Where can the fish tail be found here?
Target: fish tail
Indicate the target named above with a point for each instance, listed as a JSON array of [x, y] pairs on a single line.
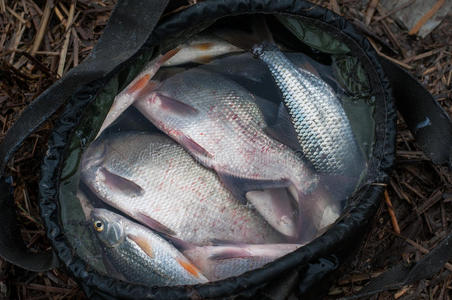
[[165, 57]]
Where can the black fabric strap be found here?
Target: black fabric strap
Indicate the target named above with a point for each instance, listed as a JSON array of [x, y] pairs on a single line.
[[402, 275], [429, 123], [130, 24], [432, 129]]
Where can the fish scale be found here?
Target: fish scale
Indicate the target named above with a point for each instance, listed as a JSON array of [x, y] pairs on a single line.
[[322, 127], [227, 122], [220, 123], [223, 261], [139, 255], [164, 183]]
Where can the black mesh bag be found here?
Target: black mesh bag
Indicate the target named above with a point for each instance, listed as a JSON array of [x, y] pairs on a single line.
[[135, 35]]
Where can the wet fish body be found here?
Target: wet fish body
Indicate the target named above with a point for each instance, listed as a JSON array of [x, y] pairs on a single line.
[[126, 97], [155, 181], [322, 127], [201, 49], [139, 255], [219, 123], [220, 262]]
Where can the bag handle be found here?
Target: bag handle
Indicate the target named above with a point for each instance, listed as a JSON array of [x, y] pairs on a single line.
[[432, 130], [130, 25], [426, 119], [402, 275]]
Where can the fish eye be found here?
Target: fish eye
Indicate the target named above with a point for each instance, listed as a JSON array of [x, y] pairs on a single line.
[[98, 226]]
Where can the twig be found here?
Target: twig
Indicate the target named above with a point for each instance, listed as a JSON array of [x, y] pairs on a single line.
[[42, 27], [402, 292], [16, 15], [426, 17], [66, 40], [401, 63], [436, 196], [60, 16], [63, 8], [370, 11], [17, 39], [36, 7], [45, 288], [2, 6], [419, 247], [25, 7], [430, 70], [394, 222], [394, 40], [423, 55], [42, 67], [358, 278], [76, 46], [393, 11], [335, 7]]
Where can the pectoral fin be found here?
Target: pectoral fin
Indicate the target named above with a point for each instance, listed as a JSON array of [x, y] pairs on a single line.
[[154, 224], [239, 186], [143, 244], [175, 106], [229, 253], [278, 208], [121, 184], [191, 268]]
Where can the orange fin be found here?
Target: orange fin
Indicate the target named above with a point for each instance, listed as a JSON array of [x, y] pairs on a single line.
[[191, 268], [143, 244], [150, 86], [204, 46], [168, 55], [139, 84]]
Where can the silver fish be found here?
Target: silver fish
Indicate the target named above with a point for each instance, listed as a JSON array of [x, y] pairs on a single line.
[[126, 97], [201, 49], [140, 255], [220, 262], [323, 129], [220, 124], [155, 181]]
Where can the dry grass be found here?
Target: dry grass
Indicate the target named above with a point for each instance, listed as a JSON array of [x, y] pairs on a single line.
[[41, 40]]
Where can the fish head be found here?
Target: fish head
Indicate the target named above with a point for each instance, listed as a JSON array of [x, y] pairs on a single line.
[[93, 158], [108, 227]]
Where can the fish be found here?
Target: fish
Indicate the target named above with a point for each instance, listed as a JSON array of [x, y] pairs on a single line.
[[127, 96], [139, 254], [323, 129], [156, 182], [200, 49], [218, 122], [253, 75], [222, 261]]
